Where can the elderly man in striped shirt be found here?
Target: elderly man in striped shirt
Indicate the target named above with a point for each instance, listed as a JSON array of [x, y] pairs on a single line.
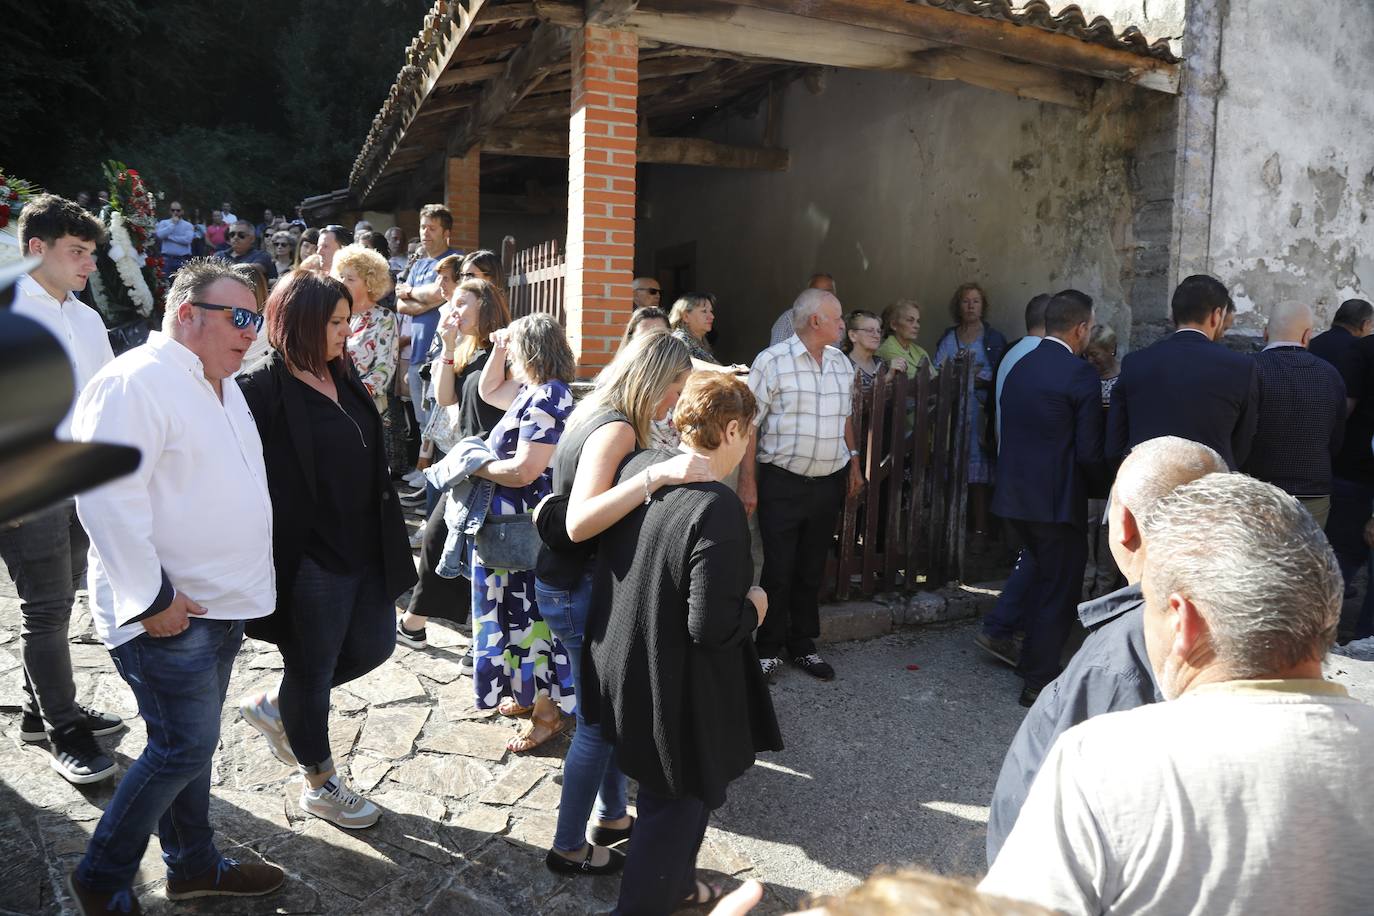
[[797, 472]]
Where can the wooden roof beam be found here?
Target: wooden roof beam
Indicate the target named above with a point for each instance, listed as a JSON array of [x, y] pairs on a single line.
[[949, 28], [550, 144], [785, 36], [525, 69]]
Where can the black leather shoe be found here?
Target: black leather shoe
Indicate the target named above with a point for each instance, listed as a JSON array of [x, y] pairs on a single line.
[[609, 836], [1028, 696], [1002, 649], [815, 666], [561, 866]]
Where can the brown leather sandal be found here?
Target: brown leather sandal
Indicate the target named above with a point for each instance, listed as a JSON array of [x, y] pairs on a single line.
[[532, 737], [514, 710]]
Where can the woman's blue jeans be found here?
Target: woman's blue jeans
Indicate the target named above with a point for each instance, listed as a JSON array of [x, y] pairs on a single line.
[[590, 773]]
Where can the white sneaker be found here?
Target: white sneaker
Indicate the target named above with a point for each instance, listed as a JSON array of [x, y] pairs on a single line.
[[254, 710], [337, 803], [415, 478], [417, 538]]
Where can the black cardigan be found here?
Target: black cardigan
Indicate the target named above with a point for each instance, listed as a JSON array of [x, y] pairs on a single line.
[[279, 410], [668, 667]]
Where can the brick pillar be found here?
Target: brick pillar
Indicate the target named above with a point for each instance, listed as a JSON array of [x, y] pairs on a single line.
[[461, 196], [601, 192]]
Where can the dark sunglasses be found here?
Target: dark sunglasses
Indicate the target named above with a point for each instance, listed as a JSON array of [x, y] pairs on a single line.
[[242, 317], [176, 209], [467, 276], [281, 244], [654, 292], [240, 235]]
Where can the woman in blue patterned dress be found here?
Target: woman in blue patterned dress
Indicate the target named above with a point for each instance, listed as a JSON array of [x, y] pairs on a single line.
[[520, 667], [972, 333]]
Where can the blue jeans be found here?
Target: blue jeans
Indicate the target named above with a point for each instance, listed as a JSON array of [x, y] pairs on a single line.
[[590, 773], [180, 683]]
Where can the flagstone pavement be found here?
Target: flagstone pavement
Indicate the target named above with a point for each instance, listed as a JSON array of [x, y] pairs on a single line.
[[893, 762]]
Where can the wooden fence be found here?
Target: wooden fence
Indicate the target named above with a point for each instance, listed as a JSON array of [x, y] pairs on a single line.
[[906, 530], [535, 278]]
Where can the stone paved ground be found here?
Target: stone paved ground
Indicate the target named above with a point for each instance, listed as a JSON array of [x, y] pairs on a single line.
[[889, 763]]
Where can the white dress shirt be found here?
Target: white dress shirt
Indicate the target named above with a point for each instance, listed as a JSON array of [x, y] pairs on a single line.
[[76, 326], [196, 516]]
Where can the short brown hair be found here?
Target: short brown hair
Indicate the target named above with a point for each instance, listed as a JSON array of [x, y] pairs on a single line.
[[710, 400], [298, 312], [439, 212], [450, 264], [49, 217]]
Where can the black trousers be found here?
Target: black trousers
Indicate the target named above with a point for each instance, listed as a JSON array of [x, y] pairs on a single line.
[[1059, 553], [433, 595], [661, 868], [797, 517]]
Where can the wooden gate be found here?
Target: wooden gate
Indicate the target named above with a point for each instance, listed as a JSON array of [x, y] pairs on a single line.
[[906, 530], [535, 278]]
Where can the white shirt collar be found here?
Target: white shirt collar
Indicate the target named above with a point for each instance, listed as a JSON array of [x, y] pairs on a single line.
[[31, 287], [1060, 342]]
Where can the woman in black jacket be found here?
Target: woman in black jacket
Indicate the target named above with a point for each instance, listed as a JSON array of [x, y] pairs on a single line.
[[338, 540], [669, 671]]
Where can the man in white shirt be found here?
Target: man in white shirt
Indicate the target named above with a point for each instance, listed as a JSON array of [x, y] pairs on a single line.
[[46, 551], [181, 556], [1246, 792]]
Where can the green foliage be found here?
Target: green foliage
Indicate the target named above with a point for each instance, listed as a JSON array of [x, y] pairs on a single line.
[[259, 103]]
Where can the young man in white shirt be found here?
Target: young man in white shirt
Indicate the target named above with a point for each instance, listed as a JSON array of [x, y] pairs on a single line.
[[46, 552], [181, 556]]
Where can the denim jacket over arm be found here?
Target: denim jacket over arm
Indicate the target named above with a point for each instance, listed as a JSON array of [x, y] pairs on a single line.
[[469, 500]]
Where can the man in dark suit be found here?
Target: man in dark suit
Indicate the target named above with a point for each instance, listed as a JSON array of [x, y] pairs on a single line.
[[1352, 489], [1354, 319], [1187, 386], [1051, 442], [1301, 414]]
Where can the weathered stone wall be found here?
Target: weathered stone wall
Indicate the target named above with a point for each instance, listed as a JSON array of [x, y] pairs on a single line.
[[1291, 164], [901, 186]]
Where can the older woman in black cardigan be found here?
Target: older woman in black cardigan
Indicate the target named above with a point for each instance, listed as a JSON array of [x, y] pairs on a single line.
[[669, 668]]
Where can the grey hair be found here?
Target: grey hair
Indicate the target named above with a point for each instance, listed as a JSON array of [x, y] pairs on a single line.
[[193, 279], [1157, 467], [808, 302], [538, 343], [1257, 566]]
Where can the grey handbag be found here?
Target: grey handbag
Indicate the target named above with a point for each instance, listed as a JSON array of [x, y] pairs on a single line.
[[508, 542]]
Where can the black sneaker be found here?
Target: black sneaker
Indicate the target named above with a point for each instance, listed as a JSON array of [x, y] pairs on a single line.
[[414, 638], [1028, 696], [78, 758], [769, 666], [815, 666], [96, 722]]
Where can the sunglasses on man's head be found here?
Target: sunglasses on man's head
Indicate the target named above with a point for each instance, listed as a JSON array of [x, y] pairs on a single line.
[[240, 235], [242, 317]]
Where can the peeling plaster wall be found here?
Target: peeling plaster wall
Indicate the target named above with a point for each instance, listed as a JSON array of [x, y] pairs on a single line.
[[901, 186], [1293, 175]]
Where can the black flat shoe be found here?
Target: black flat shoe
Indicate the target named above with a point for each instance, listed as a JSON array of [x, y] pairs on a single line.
[[561, 866], [1028, 696], [609, 836]]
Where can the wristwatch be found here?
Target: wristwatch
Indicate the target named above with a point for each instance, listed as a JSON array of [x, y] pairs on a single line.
[[853, 453]]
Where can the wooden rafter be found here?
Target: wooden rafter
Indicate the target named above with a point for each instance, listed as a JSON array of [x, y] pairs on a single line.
[[552, 144], [548, 45], [951, 29], [456, 26]]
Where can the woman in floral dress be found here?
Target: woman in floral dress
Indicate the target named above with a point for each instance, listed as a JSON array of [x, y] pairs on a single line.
[[372, 339], [519, 666]]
